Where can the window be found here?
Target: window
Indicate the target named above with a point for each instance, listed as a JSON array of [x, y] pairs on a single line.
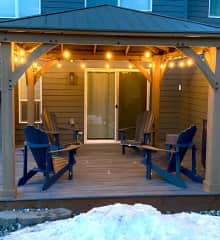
[[19, 8], [22, 90], [143, 5], [214, 8]]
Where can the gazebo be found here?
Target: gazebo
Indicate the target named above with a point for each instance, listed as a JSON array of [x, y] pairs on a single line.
[[91, 32]]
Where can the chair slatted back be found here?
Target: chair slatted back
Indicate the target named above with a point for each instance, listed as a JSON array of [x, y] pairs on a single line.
[[36, 136], [184, 141], [144, 124], [50, 123]]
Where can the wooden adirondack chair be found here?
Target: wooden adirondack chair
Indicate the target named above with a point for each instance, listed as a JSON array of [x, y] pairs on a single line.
[[174, 165], [144, 132], [37, 141], [51, 127]]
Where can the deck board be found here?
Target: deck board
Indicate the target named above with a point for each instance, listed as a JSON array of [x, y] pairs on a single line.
[[102, 171]]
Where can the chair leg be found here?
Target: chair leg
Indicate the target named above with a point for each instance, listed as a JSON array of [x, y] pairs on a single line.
[[123, 150], [25, 178]]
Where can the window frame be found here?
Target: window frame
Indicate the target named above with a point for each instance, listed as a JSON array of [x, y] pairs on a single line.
[[16, 11], [209, 13], [20, 100], [118, 5], [143, 10]]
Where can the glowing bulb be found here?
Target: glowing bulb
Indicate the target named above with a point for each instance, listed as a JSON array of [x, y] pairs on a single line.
[[59, 65], [22, 60], [22, 52], [16, 59], [83, 65], [66, 54], [107, 65], [147, 54], [71, 60], [35, 65], [108, 55], [130, 66], [181, 64], [150, 65], [171, 64], [189, 62], [180, 87], [162, 66]]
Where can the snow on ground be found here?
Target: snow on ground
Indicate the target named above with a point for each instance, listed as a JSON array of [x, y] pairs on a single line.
[[125, 222]]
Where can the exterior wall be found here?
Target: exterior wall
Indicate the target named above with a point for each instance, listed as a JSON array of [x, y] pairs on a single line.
[[50, 6], [171, 8], [198, 10], [179, 109]]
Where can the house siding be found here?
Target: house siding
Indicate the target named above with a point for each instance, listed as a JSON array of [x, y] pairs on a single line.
[[50, 6], [170, 8], [198, 10], [91, 3]]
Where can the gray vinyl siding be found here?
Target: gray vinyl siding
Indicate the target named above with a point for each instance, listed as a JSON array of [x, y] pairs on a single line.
[[179, 109], [50, 6], [198, 10], [171, 8], [91, 3], [66, 100]]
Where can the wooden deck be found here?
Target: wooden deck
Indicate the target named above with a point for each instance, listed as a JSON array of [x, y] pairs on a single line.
[[105, 176]]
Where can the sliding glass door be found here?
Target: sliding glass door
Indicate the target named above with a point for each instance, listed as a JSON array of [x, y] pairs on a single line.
[[100, 106]]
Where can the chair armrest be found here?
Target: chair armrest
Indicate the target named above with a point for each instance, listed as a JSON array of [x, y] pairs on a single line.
[[66, 149], [151, 148], [125, 129]]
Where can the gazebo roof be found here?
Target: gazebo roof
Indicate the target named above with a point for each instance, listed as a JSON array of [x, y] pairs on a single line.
[[107, 18]]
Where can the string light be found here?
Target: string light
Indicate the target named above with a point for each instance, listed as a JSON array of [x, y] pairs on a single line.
[[189, 62], [130, 66], [66, 54], [150, 65], [181, 64], [35, 65], [15, 59], [171, 65], [83, 65], [22, 60], [108, 55], [162, 66], [59, 65], [147, 54]]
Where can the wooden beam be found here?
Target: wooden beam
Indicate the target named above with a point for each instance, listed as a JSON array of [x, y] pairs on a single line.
[[7, 128], [111, 38], [204, 68], [212, 176], [157, 76], [127, 50], [30, 95], [144, 71], [44, 68], [94, 49], [33, 56]]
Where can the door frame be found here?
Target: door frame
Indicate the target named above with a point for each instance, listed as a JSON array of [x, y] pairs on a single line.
[[116, 71]]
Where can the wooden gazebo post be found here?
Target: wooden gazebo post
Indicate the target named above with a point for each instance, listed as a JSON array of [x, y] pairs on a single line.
[[8, 80], [7, 114], [212, 73]]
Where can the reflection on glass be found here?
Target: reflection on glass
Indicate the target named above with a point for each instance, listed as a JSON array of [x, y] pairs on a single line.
[[100, 105]]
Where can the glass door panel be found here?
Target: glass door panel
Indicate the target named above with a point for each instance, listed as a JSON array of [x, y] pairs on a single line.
[[100, 105], [132, 99]]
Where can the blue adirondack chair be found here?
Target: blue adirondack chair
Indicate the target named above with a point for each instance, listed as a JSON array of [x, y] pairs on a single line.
[[144, 132], [174, 168], [37, 141]]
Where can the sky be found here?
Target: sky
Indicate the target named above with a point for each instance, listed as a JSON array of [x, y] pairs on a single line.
[[125, 222]]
